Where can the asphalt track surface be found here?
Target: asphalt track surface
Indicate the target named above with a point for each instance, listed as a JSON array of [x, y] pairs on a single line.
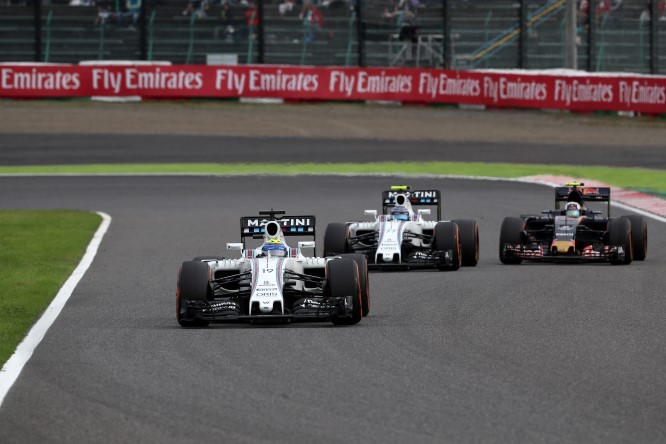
[[40, 149], [495, 353]]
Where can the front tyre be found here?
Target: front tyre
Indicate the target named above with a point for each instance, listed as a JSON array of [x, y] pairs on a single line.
[[447, 238], [193, 285], [619, 235], [343, 281], [638, 237], [510, 234], [335, 240], [469, 242], [362, 263]]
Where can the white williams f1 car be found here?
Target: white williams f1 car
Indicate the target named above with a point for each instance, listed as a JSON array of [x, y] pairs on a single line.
[[273, 282], [403, 239]]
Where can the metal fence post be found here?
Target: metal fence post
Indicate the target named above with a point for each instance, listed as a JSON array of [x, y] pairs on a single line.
[[260, 32], [360, 33], [591, 36], [38, 30], [570, 34], [522, 42], [447, 47], [654, 39], [143, 45]]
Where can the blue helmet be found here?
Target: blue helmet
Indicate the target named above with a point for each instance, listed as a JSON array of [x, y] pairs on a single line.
[[274, 248], [399, 213]]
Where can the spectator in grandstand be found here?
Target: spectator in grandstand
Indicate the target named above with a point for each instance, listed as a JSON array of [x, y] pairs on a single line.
[[583, 14], [105, 12], [609, 10], [199, 8], [313, 20], [226, 29], [646, 15], [131, 13], [252, 19], [405, 15], [286, 7]]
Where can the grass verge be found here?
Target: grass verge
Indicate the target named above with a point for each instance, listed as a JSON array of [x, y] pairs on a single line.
[[38, 252], [646, 180]]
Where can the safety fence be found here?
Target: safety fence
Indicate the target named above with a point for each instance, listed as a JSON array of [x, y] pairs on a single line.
[[612, 35], [557, 90]]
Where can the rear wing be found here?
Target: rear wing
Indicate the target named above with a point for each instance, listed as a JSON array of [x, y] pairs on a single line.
[[581, 194], [432, 198], [253, 226]]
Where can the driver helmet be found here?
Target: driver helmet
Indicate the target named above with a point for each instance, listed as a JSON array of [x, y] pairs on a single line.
[[572, 209], [273, 247], [399, 213]]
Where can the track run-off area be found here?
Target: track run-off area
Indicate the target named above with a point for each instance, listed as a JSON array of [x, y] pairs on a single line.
[[536, 352]]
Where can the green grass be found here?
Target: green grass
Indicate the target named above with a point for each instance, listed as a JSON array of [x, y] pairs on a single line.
[[38, 252], [652, 181]]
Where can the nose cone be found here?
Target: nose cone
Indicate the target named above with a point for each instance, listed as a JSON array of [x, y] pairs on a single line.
[[266, 307], [563, 247]]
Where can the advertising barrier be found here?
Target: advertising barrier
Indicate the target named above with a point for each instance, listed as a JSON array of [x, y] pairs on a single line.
[[524, 89]]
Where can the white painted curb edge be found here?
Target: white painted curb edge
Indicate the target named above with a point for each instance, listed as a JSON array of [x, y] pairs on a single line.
[[13, 367]]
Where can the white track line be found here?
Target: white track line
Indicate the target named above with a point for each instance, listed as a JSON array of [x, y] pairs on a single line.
[[13, 367]]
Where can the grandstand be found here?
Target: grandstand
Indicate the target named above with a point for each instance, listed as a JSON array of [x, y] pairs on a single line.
[[478, 33]]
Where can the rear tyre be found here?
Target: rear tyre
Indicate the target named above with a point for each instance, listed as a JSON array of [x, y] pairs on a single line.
[[343, 281], [201, 258], [447, 238], [619, 234], [335, 240], [469, 242], [510, 233], [362, 263], [638, 237], [193, 285]]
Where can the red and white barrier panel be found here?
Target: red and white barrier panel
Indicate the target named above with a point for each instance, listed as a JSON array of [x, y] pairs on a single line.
[[645, 94]]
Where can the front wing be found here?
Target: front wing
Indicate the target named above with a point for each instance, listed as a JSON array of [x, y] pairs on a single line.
[[414, 260], [538, 253], [309, 309]]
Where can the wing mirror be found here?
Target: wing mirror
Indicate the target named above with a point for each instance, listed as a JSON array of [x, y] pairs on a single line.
[[423, 211], [372, 213], [306, 244], [234, 246]]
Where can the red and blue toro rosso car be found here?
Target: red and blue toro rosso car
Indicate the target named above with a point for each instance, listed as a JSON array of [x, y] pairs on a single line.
[[574, 232]]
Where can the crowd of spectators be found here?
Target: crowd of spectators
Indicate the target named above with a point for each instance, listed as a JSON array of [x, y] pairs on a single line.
[[646, 15], [107, 12], [605, 10]]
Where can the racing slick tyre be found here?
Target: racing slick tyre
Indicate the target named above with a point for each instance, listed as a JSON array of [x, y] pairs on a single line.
[[469, 242], [362, 263], [447, 238], [510, 233], [638, 237], [193, 285], [202, 258], [619, 234], [343, 280], [335, 239]]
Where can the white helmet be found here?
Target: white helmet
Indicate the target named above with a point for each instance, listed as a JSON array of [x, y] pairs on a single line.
[[573, 209]]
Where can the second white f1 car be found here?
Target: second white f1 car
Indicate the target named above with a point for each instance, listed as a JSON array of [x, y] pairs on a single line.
[[402, 239]]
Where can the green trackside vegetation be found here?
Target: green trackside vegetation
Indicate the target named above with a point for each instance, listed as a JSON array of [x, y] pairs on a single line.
[[38, 252], [647, 180]]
